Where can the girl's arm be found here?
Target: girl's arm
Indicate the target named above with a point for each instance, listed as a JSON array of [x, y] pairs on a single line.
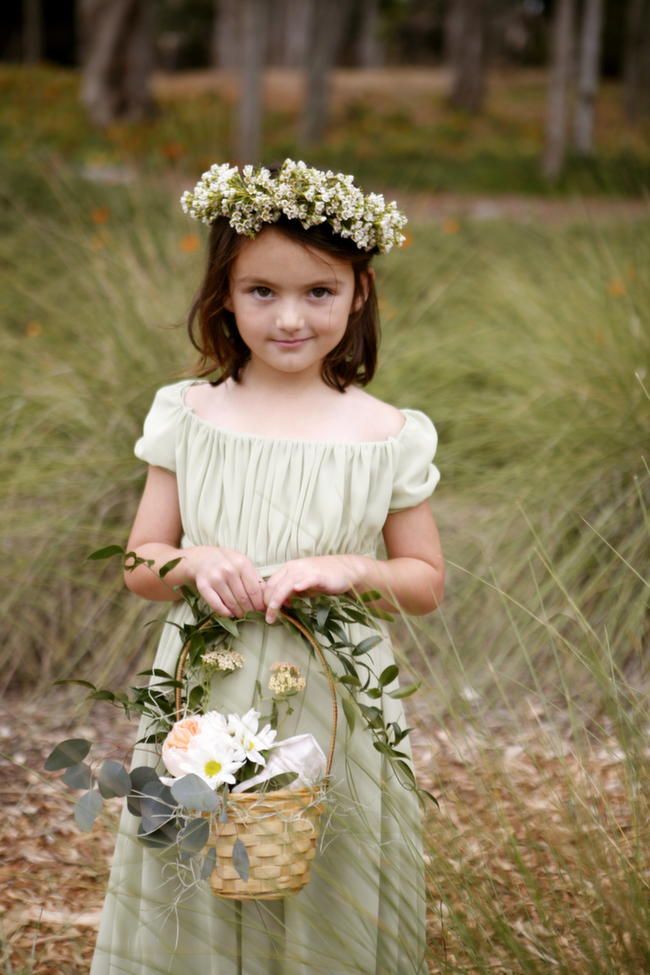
[[410, 579], [227, 580]]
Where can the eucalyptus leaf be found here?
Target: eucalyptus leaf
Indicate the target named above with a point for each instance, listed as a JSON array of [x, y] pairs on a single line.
[[350, 712], [194, 835], [157, 804], [106, 553], [142, 774], [193, 793], [68, 752], [349, 680], [321, 615], [405, 773], [134, 806], [102, 695], [240, 859], [405, 691], [370, 596], [388, 675], [162, 838], [229, 625], [74, 680], [366, 645], [209, 863], [277, 782], [87, 809], [168, 566], [113, 779], [373, 715], [78, 776]]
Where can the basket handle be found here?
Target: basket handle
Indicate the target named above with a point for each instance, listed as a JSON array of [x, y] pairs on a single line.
[[185, 649]]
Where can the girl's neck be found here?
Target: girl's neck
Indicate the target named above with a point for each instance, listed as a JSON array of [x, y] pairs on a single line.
[[256, 381]]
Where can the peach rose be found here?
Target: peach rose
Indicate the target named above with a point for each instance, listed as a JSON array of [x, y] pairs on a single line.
[[178, 740]]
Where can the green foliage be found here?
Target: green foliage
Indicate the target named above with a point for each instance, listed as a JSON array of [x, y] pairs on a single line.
[[392, 136]]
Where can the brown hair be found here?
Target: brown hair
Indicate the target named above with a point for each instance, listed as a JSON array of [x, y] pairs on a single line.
[[213, 330]]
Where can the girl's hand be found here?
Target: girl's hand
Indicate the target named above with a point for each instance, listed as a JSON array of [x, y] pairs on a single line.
[[227, 580], [331, 574]]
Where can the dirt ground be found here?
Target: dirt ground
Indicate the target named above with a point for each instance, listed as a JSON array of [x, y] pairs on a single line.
[[52, 876]]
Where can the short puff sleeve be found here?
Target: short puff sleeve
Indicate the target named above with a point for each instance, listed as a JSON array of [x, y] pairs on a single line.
[[157, 445], [415, 475]]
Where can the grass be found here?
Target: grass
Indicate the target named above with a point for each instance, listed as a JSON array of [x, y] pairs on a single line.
[[528, 345]]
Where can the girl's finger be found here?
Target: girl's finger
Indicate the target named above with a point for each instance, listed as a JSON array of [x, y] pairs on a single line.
[[277, 597], [228, 596], [255, 587], [212, 598]]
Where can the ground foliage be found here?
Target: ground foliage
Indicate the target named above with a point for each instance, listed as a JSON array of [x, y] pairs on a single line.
[[537, 857], [392, 127]]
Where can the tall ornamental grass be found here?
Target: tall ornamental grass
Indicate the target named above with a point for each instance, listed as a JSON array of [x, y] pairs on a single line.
[[528, 347]]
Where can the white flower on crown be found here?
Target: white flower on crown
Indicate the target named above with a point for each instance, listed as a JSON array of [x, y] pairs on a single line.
[[253, 197]]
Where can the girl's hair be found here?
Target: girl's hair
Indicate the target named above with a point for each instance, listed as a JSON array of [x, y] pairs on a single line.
[[213, 330]]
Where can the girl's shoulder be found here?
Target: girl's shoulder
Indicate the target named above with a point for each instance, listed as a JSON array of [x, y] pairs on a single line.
[[374, 419]]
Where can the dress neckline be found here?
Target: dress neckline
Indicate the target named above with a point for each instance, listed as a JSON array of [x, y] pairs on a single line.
[[262, 438]]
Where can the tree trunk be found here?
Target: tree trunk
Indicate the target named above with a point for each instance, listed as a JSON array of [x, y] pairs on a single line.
[[588, 75], [326, 34], [370, 54], [465, 41], [32, 31], [297, 33], [227, 36], [250, 101], [117, 59], [560, 76], [636, 63]]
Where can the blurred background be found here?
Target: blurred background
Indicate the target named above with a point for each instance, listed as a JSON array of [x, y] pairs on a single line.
[[516, 134], [438, 95]]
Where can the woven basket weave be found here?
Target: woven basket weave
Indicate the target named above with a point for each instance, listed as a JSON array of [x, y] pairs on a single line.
[[280, 829]]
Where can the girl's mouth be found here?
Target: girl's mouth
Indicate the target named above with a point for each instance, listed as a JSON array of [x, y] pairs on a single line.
[[289, 343]]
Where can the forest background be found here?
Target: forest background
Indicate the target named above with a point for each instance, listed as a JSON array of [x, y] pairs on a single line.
[[517, 136]]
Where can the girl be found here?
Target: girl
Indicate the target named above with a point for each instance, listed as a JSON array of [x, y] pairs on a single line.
[[278, 478]]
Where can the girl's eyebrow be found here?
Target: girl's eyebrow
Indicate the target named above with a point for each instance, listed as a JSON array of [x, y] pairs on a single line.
[[267, 282]]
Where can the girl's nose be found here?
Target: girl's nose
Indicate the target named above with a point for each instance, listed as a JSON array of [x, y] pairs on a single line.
[[289, 317]]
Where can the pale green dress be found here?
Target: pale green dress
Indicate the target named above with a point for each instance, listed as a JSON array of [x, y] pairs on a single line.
[[363, 911]]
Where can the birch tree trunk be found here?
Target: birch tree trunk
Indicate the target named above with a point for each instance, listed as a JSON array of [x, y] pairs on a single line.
[[466, 41], [117, 59], [370, 54], [325, 38], [250, 100], [636, 62], [297, 33], [226, 35], [32, 31], [560, 76], [588, 75]]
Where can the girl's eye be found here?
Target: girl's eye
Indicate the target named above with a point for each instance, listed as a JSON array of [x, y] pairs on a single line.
[[320, 292], [261, 291]]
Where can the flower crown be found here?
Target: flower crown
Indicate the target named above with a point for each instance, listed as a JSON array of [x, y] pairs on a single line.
[[254, 197]]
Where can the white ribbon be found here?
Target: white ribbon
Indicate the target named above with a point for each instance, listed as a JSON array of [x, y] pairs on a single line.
[[301, 754]]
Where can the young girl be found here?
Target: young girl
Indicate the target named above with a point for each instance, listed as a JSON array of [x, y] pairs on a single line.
[[278, 478]]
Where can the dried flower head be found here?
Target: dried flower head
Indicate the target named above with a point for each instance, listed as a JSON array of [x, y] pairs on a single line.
[[253, 197], [222, 659], [286, 678]]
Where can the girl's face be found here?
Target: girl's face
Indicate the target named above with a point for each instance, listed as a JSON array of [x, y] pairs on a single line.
[[291, 303]]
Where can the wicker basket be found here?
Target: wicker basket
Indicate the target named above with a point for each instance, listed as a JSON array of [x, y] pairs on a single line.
[[280, 829]]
